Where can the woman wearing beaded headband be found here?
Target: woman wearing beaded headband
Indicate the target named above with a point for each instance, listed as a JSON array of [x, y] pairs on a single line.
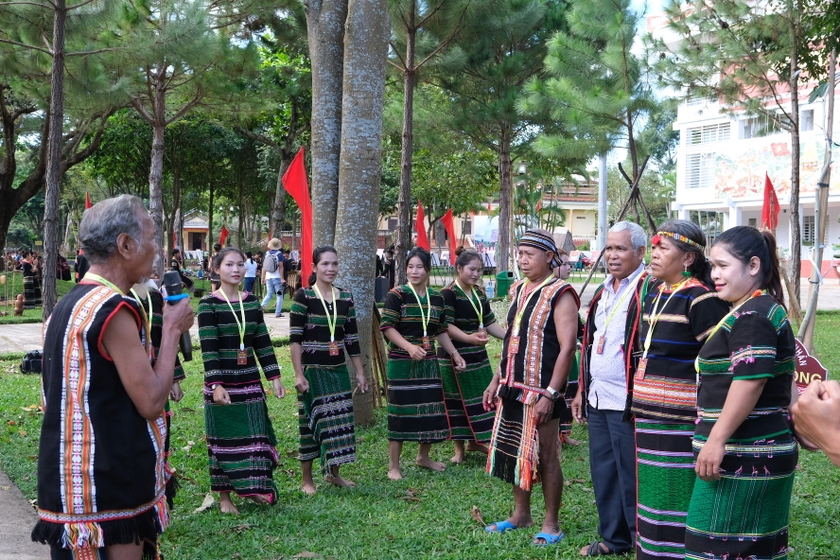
[[674, 310]]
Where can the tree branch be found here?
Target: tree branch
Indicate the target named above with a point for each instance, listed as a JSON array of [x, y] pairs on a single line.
[[33, 47]]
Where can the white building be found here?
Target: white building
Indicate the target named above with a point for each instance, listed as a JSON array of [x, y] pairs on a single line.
[[722, 161], [723, 158]]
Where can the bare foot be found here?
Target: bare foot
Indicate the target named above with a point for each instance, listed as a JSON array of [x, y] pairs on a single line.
[[259, 499], [458, 458], [338, 481], [308, 488], [226, 505], [395, 474], [427, 463], [565, 439], [480, 447]]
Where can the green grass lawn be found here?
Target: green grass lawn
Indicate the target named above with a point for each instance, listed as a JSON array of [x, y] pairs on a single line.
[[426, 515]]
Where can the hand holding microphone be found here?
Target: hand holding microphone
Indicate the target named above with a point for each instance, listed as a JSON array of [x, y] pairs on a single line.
[[174, 294]]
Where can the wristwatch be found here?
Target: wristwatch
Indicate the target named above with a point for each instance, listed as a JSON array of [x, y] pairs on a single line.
[[552, 394], [213, 386]]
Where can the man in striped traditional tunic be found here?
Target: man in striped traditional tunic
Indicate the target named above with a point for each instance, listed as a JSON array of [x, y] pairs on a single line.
[[101, 470], [527, 390]]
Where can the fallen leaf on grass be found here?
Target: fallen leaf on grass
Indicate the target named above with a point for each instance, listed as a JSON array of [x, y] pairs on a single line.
[[209, 500], [575, 481], [242, 528], [475, 513], [411, 495], [188, 446], [307, 554], [22, 433]]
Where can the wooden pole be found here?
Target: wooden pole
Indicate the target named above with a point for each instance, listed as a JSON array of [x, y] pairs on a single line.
[[634, 193], [806, 328]]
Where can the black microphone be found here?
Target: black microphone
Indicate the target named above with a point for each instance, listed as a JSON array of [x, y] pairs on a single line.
[[175, 292]]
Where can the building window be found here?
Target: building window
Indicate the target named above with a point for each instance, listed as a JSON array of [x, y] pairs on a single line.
[[701, 154], [752, 222], [808, 230], [759, 126], [708, 134], [467, 227], [806, 121], [700, 170], [392, 224]]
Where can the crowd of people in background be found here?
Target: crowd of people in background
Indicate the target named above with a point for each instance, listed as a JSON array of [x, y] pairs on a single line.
[[686, 386]]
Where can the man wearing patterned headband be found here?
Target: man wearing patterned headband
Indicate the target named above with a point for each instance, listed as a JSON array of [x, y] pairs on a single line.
[[527, 389], [603, 393]]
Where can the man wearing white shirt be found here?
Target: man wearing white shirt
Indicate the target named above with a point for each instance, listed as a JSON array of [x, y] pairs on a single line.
[[612, 450]]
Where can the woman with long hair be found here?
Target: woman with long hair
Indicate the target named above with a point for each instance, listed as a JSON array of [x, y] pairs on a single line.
[[744, 442], [322, 325], [240, 438], [674, 309], [469, 320], [413, 318]]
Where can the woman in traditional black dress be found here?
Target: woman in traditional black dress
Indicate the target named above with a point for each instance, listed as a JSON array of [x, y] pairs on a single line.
[[470, 319], [31, 281], [322, 325], [240, 438], [413, 317]]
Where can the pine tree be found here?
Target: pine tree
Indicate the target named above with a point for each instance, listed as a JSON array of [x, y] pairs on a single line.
[[501, 54], [594, 86]]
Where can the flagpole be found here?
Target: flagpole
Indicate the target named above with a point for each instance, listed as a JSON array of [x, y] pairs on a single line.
[[806, 328]]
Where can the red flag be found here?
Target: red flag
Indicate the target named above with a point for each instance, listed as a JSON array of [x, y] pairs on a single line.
[[449, 226], [770, 210], [87, 200], [296, 184], [420, 226], [223, 235]]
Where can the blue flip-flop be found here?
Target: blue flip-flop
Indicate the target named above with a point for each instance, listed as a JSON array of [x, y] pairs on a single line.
[[548, 538], [501, 527]]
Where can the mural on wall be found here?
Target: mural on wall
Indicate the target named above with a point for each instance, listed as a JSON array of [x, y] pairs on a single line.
[[740, 169]]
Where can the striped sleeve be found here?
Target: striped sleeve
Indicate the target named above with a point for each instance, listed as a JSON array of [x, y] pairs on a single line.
[[298, 314], [351, 328], [391, 310], [208, 334], [264, 350]]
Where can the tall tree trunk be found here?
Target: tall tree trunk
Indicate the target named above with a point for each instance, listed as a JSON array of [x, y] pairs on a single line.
[[325, 21], [796, 234], [404, 201], [54, 172], [156, 168], [505, 200], [366, 47]]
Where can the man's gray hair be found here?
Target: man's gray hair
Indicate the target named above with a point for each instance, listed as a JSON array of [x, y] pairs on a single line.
[[637, 235], [105, 221]]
